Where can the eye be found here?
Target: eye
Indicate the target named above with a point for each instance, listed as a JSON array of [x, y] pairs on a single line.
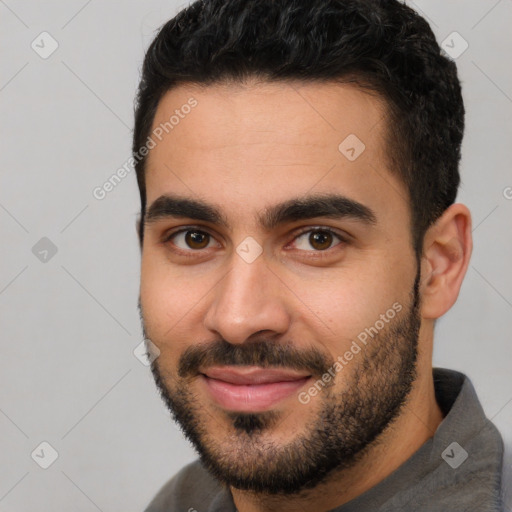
[[313, 240], [320, 239], [187, 239]]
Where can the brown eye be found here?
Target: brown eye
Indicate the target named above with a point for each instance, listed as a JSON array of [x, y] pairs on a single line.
[[320, 240], [190, 239], [196, 239], [316, 240]]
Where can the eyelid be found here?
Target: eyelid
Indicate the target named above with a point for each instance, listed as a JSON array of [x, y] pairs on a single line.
[[169, 234]]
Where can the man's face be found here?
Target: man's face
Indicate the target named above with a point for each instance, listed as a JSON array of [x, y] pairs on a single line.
[[287, 327]]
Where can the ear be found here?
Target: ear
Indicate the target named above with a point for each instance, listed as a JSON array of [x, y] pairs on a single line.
[[446, 252]]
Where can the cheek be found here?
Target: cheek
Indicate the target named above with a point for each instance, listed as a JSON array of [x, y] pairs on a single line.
[[162, 302], [342, 305], [173, 305]]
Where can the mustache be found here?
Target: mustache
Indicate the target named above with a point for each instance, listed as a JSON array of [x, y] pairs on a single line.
[[258, 353], [262, 353]]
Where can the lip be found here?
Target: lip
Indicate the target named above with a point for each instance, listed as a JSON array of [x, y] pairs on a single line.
[[251, 388]]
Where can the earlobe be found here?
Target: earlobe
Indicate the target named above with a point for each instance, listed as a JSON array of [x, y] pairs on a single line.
[[447, 250]]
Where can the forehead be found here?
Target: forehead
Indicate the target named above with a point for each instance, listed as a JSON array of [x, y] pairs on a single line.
[[262, 143]]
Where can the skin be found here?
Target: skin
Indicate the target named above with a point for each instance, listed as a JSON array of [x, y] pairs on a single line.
[[244, 148]]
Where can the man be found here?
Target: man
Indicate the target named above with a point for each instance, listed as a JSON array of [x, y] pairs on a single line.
[[298, 165]]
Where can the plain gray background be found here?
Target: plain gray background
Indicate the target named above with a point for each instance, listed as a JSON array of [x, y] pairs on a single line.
[[69, 321]]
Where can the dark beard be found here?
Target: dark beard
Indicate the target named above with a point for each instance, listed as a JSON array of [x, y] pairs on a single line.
[[346, 425]]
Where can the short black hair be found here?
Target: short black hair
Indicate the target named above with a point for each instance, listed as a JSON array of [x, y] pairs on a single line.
[[382, 46]]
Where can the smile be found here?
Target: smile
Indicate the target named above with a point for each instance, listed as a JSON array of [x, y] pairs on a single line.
[[250, 389]]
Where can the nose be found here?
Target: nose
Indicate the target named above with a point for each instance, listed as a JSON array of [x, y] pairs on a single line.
[[249, 300]]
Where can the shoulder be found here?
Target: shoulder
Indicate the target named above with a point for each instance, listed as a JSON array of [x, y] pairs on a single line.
[[191, 488], [467, 449]]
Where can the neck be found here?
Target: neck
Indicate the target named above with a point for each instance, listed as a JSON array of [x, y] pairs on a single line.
[[417, 422]]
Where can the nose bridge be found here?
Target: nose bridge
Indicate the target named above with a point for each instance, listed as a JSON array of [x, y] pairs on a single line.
[[246, 301]]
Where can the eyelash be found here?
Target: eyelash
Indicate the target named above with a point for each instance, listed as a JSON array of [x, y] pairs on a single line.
[[315, 253]]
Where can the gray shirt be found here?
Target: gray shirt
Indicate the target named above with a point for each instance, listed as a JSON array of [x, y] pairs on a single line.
[[458, 469]]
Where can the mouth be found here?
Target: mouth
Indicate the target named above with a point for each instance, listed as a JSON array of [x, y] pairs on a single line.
[[251, 388]]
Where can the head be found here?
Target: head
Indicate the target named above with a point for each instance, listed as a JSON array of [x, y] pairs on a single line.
[[297, 163]]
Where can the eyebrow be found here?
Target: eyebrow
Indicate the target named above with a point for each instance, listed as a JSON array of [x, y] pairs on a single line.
[[333, 206]]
